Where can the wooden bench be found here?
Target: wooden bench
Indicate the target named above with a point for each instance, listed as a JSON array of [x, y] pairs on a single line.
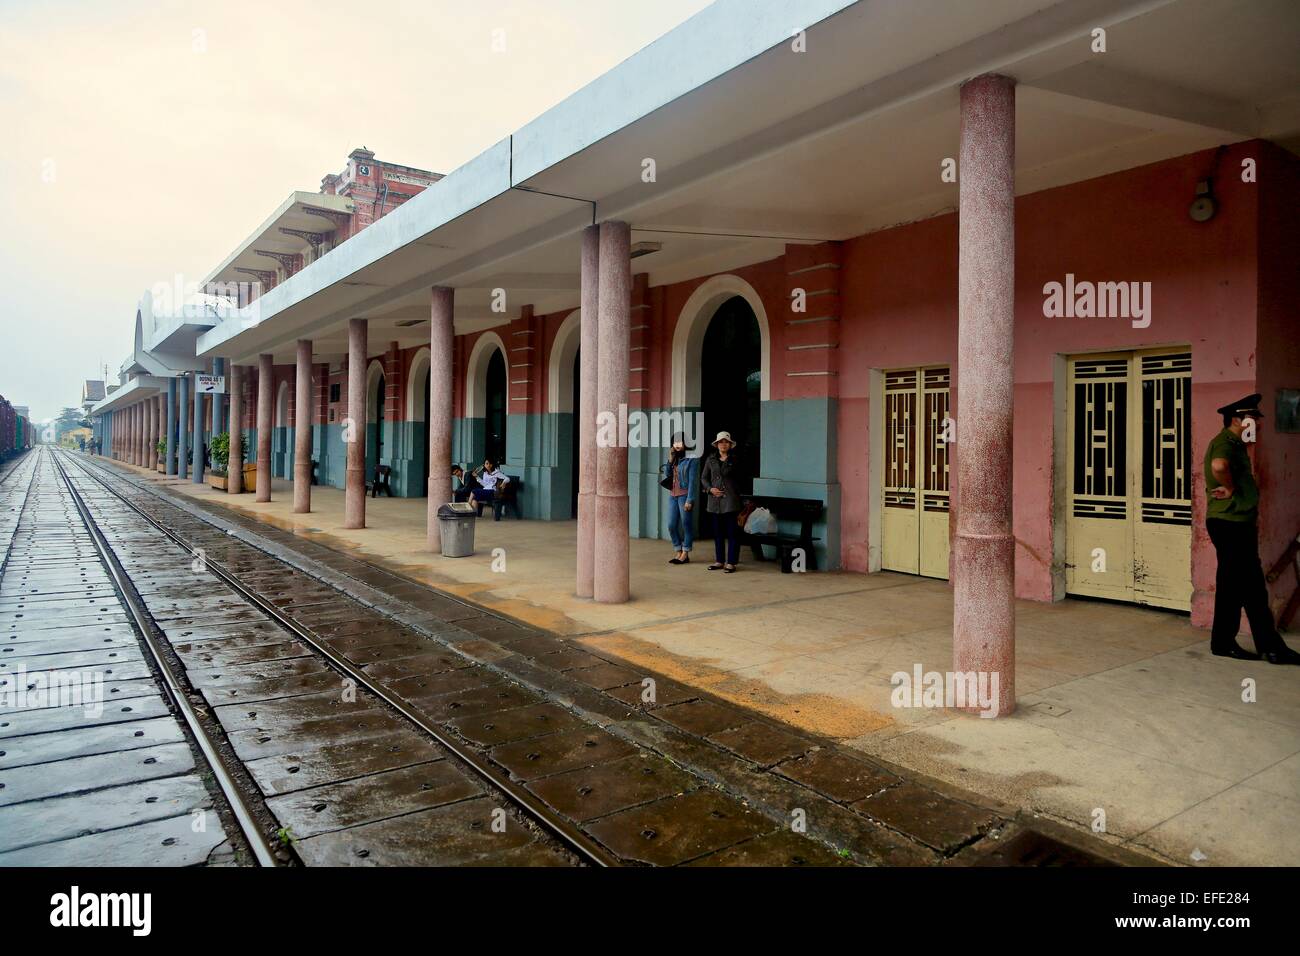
[[806, 511], [507, 495]]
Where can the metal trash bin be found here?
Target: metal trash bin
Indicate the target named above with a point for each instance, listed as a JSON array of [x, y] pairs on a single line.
[[456, 524]]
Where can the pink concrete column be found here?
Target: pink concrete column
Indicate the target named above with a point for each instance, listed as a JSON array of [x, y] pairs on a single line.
[[983, 566], [153, 434], [611, 584], [147, 446], [235, 466], [588, 399], [265, 375], [302, 422], [441, 389], [138, 449], [354, 430]]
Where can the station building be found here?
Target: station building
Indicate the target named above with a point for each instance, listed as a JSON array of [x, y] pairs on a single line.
[[974, 276]]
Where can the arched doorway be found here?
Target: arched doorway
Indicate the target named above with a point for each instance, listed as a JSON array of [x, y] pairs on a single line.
[[413, 436], [376, 392], [563, 392], [577, 404], [497, 398], [281, 442], [732, 379], [424, 458]]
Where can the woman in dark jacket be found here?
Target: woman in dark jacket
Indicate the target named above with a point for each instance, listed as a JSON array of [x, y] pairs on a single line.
[[721, 478]]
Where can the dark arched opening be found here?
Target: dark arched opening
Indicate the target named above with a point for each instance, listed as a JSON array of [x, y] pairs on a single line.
[[496, 408], [731, 384], [375, 440], [424, 464]]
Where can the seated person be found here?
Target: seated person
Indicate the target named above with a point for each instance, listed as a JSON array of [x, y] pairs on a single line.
[[463, 486], [490, 477]]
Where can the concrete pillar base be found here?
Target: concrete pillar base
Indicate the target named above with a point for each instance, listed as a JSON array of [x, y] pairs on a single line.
[[612, 584], [984, 612], [586, 586]]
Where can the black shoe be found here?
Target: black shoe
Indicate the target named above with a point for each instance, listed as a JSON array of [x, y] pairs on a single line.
[[1238, 653], [1283, 656]]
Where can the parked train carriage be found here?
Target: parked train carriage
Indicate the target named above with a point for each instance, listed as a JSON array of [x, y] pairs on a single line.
[[15, 431], [8, 428]]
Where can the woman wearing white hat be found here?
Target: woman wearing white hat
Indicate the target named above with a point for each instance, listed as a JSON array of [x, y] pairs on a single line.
[[721, 478]]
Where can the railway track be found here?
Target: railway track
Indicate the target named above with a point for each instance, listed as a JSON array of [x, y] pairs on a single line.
[[345, 770], [94, 766], [270, 650]]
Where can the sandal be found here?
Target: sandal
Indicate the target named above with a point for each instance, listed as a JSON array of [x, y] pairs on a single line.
[[716, 567], [729, 569], [674, 560]]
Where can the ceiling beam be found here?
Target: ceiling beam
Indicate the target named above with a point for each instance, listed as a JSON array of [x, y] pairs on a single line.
[[1094, 90]]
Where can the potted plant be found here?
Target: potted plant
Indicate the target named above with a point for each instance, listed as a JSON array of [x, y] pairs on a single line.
[[220, 451], [161, 448]]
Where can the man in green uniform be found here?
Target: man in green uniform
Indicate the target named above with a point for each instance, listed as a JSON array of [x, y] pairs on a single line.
[[1231, 511]]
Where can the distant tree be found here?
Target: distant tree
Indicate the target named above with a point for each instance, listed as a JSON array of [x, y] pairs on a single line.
[[67, 420]]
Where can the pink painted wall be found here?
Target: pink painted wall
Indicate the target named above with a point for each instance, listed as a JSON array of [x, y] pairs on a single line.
[[899, 292], [1216, 286], [1277, 455]]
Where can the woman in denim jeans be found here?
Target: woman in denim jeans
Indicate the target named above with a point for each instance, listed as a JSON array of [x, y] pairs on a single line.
[[680, 473]]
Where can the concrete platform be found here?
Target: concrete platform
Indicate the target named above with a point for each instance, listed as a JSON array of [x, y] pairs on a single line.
[[1122, 711]]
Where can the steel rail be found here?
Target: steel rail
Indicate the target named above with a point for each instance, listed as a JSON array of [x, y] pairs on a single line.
[[14, 465], [570, 835], [261, 847]]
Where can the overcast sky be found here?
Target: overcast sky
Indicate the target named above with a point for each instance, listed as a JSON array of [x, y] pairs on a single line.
[[143, 139]]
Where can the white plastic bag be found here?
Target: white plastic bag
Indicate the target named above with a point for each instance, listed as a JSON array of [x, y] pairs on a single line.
[[760, 521]]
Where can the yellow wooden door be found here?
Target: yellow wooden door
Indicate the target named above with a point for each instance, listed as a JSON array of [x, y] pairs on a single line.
[[916, 486], [1128, 469], [1163, 533]]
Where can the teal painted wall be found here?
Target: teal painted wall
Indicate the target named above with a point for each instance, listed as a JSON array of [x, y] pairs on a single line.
[[468, 441], [648, 502], [539, 450], [798, 462], [282, 452], [409, 443]]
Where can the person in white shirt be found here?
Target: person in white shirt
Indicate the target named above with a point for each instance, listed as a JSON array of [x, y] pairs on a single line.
[[490, 477]]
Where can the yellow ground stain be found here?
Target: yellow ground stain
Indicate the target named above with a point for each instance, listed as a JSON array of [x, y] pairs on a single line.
[[820, 714]]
